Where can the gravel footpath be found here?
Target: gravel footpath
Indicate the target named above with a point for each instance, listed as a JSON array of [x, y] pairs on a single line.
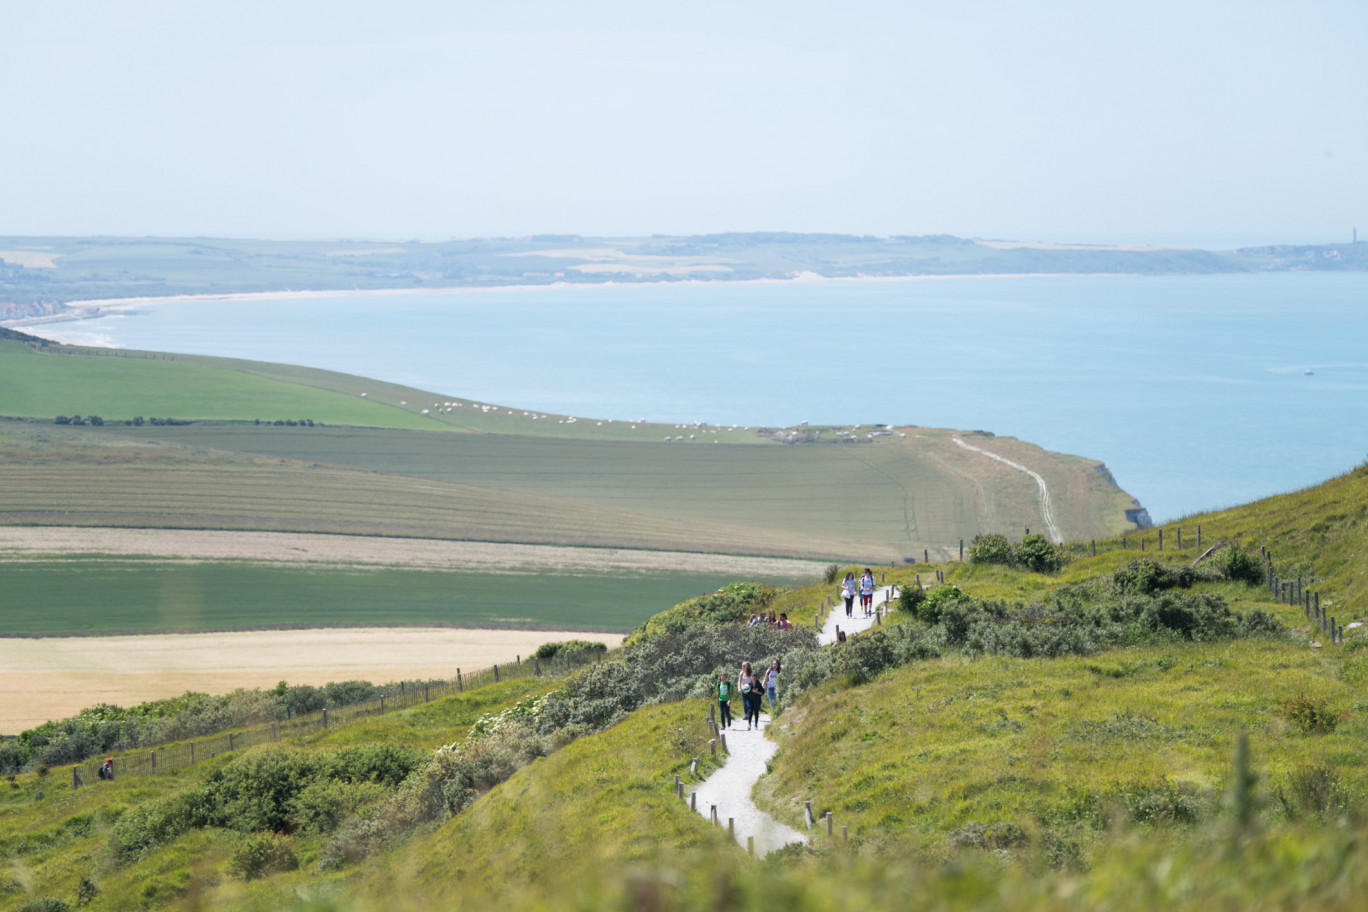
[[729, 789]]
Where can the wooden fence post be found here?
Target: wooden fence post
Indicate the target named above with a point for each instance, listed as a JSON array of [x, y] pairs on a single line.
[[807, 814], [750, 845], [1094, 547], [75, 777], [829, 820], [425, 692], [1161, 539], [496, 674], [961, 550], [154, 760], [693, 801], [731, 827], [926, 555], [1199, 535], [230, 741], [460, 685], [712, 746], [722, 739], [192, 749]]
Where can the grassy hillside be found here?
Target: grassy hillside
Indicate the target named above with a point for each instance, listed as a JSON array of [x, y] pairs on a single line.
[[967, 776]]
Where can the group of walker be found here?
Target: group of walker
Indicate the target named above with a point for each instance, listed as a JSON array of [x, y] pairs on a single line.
[[863, 587], [753, 689]]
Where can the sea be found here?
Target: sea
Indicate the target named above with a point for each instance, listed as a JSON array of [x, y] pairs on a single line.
[[1198, 392]]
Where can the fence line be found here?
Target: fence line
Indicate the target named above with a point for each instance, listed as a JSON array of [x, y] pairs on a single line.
[[176, 755]]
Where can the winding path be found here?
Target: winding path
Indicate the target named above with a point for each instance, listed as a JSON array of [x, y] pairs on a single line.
[[748, 755], [1046, 509]]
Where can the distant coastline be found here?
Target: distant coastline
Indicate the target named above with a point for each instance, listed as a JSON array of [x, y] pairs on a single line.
[[95, 308]]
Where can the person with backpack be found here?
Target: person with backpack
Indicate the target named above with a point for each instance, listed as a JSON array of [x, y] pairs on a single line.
[[867, 591], [106, 770], [749, 685], [724, 698]]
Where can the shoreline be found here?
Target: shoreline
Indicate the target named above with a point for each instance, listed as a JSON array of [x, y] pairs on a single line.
[[96, 308]]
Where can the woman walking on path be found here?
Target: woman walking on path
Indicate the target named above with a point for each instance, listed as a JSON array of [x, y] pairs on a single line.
[[724, 698], [867, 591], [848, 586], [772, 686], [749, 686]]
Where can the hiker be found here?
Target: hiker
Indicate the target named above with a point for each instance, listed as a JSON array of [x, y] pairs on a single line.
[[867, 591], [106, 770], [848, 587], [784, 622], [749, 686], [772, 686], [773, 621], [724, 698]]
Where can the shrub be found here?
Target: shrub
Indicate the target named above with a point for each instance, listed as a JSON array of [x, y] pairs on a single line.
[[832, 573], [727, 605], [46, 904], [1146, 577], [1239, 565], [910, 598], [990, 549], [259, 854], [548, 651], [930, 608], [1312, 791], [1312, 716], [1036, 554]]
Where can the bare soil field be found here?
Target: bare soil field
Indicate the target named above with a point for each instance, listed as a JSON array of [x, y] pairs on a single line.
[[46, 542], [55, 677]]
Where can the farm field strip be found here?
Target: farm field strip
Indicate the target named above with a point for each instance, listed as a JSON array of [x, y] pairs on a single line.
[[19, 543], [129, 596], [302, 499], [53, 678]]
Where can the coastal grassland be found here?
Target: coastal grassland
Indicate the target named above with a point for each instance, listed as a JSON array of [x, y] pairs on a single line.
[[603, 802], [933, 756], [103, 596], [51, 836], [118, 386]]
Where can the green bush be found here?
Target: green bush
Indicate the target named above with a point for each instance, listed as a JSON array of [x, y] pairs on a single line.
[[1239, 565], [990, 548], [548, 651], [929, 609], [1036, 554], [1311, 715], [832, 573], [46, 904], [259, 854], [728, 605], [1144, 576], [910, 598]]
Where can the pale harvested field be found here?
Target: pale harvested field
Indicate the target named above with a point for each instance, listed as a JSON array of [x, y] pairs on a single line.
[[18, 543], [30, 259], [55, 677]]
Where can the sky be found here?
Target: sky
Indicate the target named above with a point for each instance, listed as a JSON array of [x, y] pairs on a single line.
[[1196, 123]]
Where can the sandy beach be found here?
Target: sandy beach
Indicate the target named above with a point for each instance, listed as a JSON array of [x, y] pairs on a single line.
[[55, 677]]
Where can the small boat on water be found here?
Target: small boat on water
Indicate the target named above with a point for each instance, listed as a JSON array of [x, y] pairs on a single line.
[[1308, 372]]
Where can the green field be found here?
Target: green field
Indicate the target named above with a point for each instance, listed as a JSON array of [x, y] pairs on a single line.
[[139, 596]]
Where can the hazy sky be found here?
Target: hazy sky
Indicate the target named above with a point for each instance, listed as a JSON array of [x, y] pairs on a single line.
[[1190, 122]]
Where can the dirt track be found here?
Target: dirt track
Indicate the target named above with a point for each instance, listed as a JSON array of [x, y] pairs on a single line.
[[44, 542], [55, 677]]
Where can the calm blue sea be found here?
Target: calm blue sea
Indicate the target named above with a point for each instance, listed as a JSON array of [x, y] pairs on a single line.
[[1193, 390]]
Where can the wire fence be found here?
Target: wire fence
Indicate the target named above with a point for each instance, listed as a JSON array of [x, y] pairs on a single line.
[[163, 757]]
